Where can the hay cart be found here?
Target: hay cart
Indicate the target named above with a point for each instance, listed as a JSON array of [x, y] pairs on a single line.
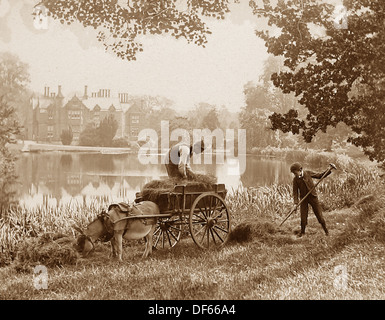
[[204, 211]]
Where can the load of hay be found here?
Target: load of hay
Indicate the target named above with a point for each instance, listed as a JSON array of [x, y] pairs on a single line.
[[49, 249], [260, 230], [153, 189]]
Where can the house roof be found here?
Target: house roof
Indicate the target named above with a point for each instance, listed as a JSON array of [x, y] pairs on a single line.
[[44, 102], [41, 102], [103, 103], [134, 109]]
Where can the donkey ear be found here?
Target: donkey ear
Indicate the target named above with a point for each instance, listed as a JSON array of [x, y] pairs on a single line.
[[78, 229]]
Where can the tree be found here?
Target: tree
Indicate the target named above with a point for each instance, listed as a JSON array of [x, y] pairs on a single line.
[[335, 69], [101, 135], [107, 130], [89, 136], [66, 136], [210, 121], [13, 80], [120, 24], [14, 77], [9, 127]]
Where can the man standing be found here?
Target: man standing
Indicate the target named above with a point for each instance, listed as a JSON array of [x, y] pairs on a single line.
[[303, 181], [178, 159]]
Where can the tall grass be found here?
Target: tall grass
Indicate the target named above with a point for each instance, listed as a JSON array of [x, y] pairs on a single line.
[[274, 202], [269, 262], [314, 158], [21, 223], [335, 192]]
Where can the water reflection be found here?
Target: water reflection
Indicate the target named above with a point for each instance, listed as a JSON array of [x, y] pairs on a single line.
[[56, 178]]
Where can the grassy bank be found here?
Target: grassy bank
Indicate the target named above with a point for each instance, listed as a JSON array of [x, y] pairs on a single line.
[[262, 261], [341, 157]]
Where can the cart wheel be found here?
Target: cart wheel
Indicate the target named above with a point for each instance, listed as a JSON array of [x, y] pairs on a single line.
[[209, 221], [167, 232]]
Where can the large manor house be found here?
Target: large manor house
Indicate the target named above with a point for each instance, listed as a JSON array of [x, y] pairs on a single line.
[[52, 112]]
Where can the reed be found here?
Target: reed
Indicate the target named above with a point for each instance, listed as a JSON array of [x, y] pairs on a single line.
[[20, 224], [245, 204]]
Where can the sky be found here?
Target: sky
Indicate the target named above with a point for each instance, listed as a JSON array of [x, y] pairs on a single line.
[[188, 74]]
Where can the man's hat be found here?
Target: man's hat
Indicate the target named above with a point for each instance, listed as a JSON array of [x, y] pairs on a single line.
[[295, 167]]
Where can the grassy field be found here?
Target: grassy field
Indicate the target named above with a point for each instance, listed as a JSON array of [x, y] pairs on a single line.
[[262, 260]]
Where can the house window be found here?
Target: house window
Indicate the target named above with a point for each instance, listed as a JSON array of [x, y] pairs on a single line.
[[134, 132], [134, 121], [74, 114], [50, 128], [73, 179]]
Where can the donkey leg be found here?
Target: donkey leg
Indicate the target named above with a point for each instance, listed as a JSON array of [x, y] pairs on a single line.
[[113, 247], [145, 253], [119, 245], [148, 238]]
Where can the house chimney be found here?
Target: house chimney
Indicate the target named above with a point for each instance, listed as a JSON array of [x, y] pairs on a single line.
[[59, 94], [85, 92], [47, 91]]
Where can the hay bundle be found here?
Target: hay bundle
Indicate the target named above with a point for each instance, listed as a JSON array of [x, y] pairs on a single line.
[[153, 189], [50, 250], [249, 230]]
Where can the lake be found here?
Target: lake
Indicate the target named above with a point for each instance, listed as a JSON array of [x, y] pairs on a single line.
[[60, 178]]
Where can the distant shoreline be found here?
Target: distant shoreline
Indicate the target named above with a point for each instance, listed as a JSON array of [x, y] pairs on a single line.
[[31, 146]]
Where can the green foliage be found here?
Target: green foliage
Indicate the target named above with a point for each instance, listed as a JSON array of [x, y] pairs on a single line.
[[120, 143], [13, 79], [210, 121], [66, 136], [101, 135], [336, 73], [120, 24], [89, 136], [8, 178], [262, 99], [107, 130]]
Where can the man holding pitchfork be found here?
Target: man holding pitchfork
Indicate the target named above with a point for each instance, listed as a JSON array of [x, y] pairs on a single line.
[[303, 182]]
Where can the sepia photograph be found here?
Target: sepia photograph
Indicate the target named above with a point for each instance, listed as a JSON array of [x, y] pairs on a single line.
[[192, 156]]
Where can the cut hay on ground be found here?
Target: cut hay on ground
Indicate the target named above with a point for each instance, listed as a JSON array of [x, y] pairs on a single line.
[[261, 230], [152, 190], [49, 249]]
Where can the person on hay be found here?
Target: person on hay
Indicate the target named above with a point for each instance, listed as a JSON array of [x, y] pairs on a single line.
[[303, 182], [178, 160]]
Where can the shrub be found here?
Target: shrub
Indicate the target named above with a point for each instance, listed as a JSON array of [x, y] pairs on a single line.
[[66, 136], [120, 143]]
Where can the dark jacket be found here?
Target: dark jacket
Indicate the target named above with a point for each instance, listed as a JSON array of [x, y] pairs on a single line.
[[305, 183]]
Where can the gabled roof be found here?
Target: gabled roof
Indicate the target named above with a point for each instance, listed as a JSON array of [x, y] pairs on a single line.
[[74, 99], [41, 102], [134, 109], [103, 103]]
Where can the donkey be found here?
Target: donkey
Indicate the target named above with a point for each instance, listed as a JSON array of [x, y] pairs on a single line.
[[113, 226]]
